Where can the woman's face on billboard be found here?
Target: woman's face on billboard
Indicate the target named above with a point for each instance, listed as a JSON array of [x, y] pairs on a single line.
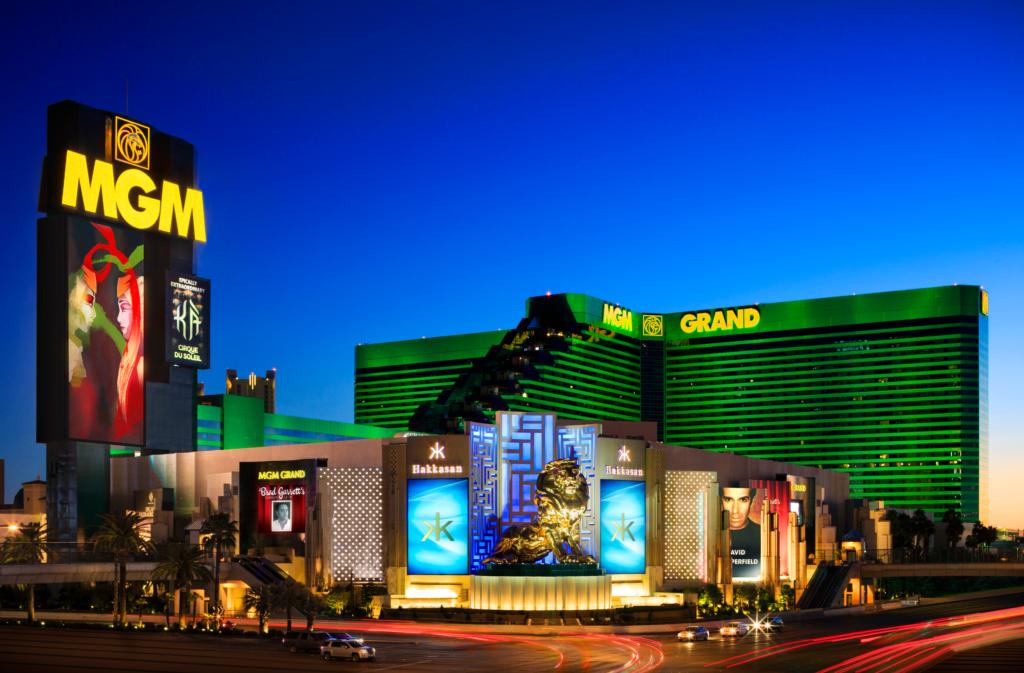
[[124, 313]]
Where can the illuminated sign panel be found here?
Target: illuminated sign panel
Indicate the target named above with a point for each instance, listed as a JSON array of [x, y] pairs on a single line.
[[188, 321], [105, 333], [623, 526], [120, 204], [743, 507], [432, 457], [720, 320], [620, 318], [275, 502], [620, 458], [776, 502], [267, 475], [438, 526], [132, 198], [653, 325], [131, 142]]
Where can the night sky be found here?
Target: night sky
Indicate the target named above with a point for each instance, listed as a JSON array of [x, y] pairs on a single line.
[[378, 171]]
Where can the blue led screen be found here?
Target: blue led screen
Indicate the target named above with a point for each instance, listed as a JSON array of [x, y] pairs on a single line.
[[623, 526], [438, 527]]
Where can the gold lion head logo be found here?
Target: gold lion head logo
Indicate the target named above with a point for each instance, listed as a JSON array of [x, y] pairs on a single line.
[[131, 142], [653, 326]]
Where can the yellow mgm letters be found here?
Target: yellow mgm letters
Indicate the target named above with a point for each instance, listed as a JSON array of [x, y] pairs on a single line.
[[618, 317], [708, 321], [116, 197], [265, 475]]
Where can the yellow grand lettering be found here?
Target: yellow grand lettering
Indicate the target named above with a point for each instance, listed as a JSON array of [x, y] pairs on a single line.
[[187, 214], [720, 320], [144, 216], [78, 181]]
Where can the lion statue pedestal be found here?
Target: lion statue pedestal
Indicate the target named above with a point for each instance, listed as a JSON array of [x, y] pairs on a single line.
[[531, 587], [513, 577]]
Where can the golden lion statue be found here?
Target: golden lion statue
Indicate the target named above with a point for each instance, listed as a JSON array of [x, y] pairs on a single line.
[[561, 499]]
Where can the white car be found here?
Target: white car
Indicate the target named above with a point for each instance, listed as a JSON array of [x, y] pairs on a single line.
[[734, 629], [355, 650]]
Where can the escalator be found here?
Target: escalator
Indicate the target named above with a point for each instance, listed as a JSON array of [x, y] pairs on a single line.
[[260, 571], [825, 589]]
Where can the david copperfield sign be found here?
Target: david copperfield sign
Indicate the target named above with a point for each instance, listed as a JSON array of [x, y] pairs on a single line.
[[188, 321]]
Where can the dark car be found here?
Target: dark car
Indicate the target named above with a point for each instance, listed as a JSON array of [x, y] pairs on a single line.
[[309, 641], [692, 633]]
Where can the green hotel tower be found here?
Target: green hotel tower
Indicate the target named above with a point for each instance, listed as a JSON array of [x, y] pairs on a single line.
[[890, 387]]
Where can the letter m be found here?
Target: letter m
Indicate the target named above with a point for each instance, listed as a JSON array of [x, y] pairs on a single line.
[[99, 184], [185, 214]]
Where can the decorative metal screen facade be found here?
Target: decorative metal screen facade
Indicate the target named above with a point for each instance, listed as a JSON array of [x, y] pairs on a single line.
[[581, 441], [355, 522], [484, 529], [686, 535]]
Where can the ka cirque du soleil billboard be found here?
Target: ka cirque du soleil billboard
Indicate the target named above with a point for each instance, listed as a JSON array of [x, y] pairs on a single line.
[[623, 526], [106, 290], [188, 321], [743, 509], [438, 526]]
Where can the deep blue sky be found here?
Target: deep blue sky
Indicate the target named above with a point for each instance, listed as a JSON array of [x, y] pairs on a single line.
[[375, 171]]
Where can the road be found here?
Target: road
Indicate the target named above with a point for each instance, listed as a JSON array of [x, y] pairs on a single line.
[[938, 637]]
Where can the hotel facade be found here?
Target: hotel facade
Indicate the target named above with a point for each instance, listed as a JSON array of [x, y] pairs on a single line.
[[891, 388]]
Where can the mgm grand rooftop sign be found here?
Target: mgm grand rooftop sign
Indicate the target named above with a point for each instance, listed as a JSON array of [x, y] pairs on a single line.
[[720, 320]]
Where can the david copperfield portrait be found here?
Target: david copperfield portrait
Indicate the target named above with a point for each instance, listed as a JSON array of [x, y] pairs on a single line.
[[743, 508], [106, 292]]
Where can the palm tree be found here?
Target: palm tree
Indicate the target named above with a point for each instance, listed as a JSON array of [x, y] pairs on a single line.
[[28, 545], [954, 527], [121, 534], [312, 604], [287, 595], [183, 565], [260, 600], [220, 533], [922, 529]]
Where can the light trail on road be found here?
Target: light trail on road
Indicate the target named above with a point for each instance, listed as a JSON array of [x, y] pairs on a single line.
[[905, 648], [628, 654]]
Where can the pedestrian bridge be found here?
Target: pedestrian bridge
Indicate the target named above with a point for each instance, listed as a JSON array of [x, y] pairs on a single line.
[[67, 573], [252, 572], [968, 569]]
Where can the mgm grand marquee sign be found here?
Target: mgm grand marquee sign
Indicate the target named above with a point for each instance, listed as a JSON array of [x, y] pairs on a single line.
[[118, 307]]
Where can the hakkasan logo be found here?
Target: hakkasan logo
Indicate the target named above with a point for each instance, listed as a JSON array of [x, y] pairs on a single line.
[[131, 142]]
